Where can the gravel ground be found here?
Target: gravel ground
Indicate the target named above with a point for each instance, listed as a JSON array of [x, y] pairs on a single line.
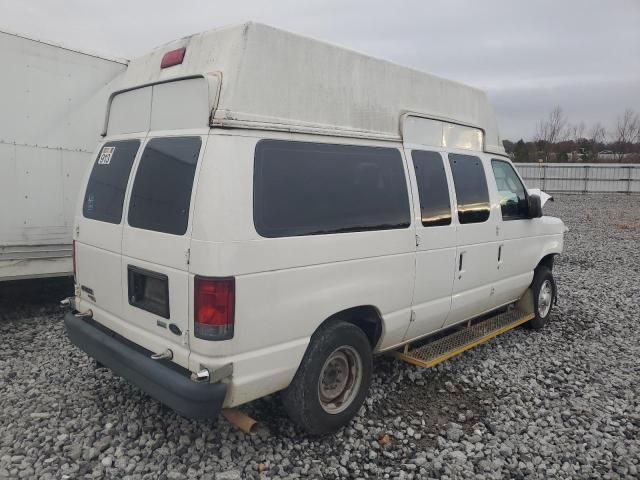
[[557, 403]]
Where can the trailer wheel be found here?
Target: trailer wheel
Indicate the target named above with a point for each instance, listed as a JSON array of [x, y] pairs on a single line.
[[544, 294], [332, 380]]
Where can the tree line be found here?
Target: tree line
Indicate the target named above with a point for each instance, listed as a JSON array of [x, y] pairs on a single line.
[[558, 140]]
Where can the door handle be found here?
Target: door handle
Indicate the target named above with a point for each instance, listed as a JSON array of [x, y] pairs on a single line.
[[500, 255], [461, 264]]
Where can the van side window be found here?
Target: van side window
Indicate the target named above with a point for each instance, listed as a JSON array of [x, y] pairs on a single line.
[[314, 188], [513, 196], [433, 188], [161, 194], [471, 188], [104, 196]]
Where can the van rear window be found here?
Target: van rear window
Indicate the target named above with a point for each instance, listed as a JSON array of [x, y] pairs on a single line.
[[104, 196], [161, 194], [313, 188]]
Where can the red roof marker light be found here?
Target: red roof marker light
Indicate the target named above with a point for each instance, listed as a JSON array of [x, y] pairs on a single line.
[[173, 57]]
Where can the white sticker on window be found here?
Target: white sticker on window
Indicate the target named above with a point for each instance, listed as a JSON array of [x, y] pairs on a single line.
[[105, 155]]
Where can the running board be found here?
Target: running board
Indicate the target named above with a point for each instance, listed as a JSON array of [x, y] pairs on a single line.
[[437, 351]]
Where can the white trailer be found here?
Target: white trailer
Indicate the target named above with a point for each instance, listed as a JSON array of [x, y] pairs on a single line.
[[52, 102]]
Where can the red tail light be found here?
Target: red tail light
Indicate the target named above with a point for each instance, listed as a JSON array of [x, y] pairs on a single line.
[[215, 300], [73, 256], [173, 57]]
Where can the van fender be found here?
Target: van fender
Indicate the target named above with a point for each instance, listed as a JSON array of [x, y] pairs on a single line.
[[366, 317], [551, 247]]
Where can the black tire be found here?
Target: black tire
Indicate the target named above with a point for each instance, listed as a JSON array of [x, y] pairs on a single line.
[[302, 398], [542, 275]]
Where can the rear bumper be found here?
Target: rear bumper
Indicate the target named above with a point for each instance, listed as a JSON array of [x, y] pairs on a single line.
[[167, 385]]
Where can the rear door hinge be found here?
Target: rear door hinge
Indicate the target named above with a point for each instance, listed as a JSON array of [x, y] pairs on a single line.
[[417, 240], [188, 256]]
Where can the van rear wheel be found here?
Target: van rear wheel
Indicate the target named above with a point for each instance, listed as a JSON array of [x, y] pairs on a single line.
[[332, 380]]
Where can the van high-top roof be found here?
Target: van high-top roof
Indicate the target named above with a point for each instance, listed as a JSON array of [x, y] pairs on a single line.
[[274, 79]]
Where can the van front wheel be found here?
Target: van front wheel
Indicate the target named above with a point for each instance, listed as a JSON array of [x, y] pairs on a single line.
[[332, 380], [544, 294]]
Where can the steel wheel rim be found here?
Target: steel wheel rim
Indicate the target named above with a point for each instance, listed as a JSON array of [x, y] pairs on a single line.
[[340, 379], [545, 298]]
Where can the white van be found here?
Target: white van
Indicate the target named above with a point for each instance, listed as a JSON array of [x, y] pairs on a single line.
[[268, 211]]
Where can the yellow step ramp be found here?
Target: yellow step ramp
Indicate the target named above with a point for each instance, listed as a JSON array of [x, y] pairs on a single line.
[[437, 351]]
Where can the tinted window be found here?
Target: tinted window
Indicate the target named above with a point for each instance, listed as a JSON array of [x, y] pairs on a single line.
[[108, 181], [311, 188], [435, 204], [471, 188], [513, 197], [161, 192]]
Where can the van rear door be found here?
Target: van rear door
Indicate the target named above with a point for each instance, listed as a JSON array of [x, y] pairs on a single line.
[[98, 235], [156, 240]]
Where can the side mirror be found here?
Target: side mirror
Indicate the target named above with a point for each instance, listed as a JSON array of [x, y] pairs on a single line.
[[535, 206]]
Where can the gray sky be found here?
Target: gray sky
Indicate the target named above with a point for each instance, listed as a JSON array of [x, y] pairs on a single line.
[[583, 55]]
